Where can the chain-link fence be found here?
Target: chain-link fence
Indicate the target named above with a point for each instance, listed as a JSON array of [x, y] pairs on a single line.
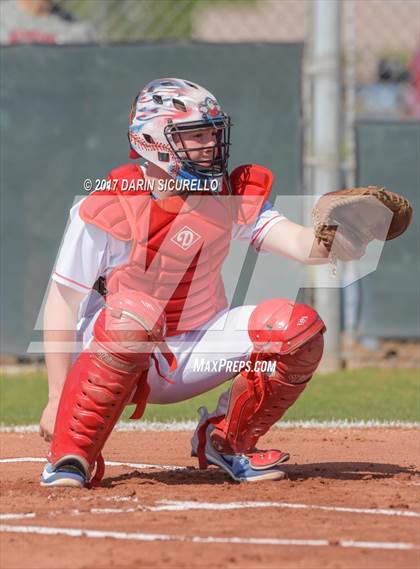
[[204, 20], [381, 41], [380, 38]]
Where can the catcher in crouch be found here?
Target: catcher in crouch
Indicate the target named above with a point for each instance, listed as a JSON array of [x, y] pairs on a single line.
[[138, 278]]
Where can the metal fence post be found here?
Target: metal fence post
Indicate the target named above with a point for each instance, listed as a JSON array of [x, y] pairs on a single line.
[[326, 149]]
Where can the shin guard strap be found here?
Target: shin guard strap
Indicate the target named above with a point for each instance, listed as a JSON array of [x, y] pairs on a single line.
[[99, 472], [202, 439]]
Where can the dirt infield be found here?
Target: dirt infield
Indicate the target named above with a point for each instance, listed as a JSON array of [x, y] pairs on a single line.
[[351, 499]]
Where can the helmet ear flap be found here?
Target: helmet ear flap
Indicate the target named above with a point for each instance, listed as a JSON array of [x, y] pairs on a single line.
[[133, 154]]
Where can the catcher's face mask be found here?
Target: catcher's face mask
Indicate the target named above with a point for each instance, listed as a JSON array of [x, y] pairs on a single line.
[[201, 146]]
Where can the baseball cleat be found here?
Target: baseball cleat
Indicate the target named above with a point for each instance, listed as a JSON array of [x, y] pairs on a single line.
[[70, 474], [263, 459], [251, 467], [239, 466]]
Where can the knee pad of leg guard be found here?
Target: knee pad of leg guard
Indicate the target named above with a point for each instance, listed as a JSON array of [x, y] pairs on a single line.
[[280, 326]]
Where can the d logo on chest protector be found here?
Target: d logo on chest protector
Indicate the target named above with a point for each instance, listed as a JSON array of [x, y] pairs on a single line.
[[185, 237]]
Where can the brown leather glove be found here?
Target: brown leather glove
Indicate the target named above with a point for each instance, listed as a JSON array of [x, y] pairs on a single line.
[[347, 220]]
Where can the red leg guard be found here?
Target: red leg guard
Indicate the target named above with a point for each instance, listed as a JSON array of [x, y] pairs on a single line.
[[291, 336], [258, 402], [103, 378]]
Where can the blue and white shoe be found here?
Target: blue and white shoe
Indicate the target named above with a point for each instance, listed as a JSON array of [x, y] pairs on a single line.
[[71, 474], [238, 466]]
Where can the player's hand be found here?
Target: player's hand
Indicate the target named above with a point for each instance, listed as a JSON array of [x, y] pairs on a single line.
[[46, 424]]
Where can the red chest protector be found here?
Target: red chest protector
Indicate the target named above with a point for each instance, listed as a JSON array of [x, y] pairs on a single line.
[[178, 246]]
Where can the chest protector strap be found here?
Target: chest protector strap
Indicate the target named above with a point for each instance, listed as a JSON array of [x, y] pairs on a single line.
[[253, 184]]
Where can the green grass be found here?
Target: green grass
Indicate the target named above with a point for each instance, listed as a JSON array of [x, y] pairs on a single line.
[[368, 394]]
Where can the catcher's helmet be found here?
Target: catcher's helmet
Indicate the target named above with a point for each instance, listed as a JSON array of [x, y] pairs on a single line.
[[168, 107]]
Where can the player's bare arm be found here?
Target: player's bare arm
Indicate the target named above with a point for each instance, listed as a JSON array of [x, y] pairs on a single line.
[[296, 242], [60, 321]]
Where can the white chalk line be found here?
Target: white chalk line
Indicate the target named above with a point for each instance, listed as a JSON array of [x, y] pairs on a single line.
[[169, 505], [191, 425], [107, 463], [135, 536], [173, 505], [17, 516], [183, 506]]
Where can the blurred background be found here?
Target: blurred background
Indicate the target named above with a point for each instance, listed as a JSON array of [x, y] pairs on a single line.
[[325, 93]]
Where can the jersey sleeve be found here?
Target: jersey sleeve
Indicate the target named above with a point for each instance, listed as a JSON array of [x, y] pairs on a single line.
[[86, 253], [256, 231]]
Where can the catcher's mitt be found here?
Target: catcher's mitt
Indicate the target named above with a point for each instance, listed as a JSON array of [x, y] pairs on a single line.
[[347, 220]]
